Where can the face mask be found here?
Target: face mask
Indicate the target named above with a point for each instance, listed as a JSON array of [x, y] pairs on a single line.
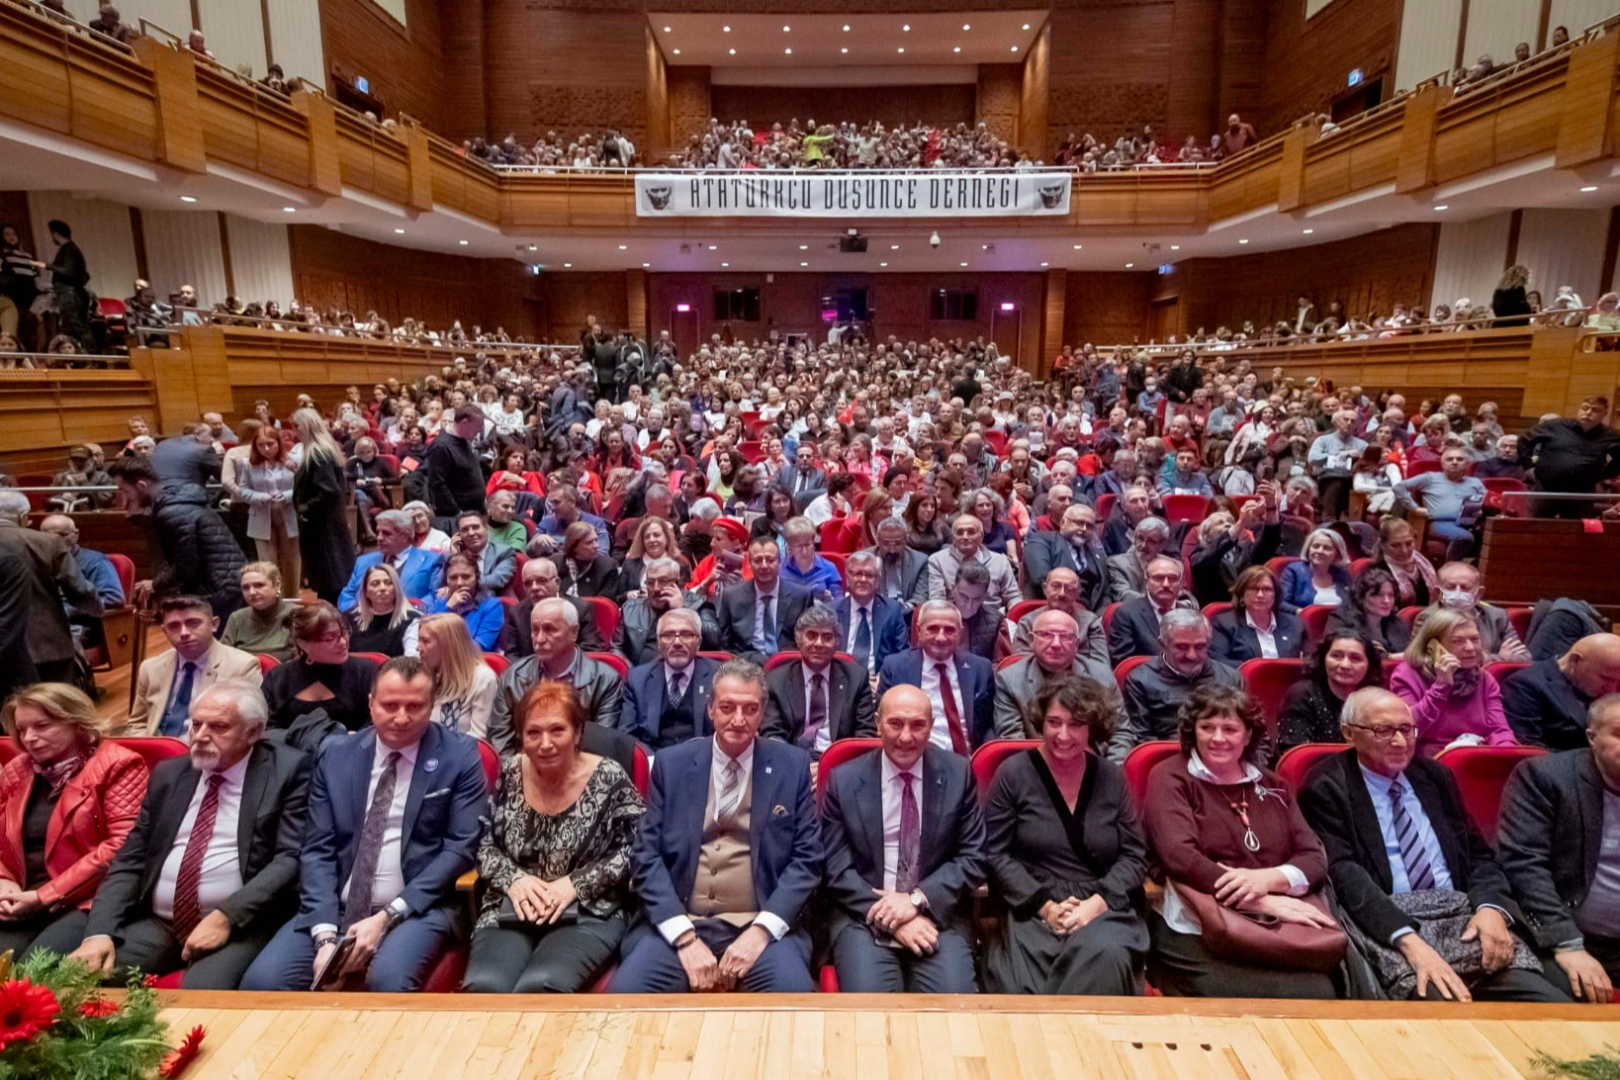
[[1457, 599]]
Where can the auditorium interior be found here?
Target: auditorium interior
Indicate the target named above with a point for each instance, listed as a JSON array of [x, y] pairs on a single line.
[[1146, 410]]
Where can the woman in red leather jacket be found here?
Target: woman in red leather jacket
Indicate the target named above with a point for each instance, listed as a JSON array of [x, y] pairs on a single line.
[[67, 801]]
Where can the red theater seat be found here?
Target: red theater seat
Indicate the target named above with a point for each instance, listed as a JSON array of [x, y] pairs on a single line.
[[1315, 617], [1141, 761], [1481, 771], [1126, 666], [988, 758], [497, 663], [266, 663], [1268, 682], [153, 749], [1188, 508], [1297, 761], [607, 615], [617, 663], [837, 753]]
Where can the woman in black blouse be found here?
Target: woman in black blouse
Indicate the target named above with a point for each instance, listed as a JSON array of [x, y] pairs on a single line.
[[583, 568], [555, 861], [324, 675], [1067, 857], [1372, 610], [383, 620], [320, 493], [1343, 662]]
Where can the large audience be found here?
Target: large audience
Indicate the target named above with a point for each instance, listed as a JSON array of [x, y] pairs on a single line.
[[664, 592]]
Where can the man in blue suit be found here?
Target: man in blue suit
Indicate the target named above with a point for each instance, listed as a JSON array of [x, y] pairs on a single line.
[[728, 855], [916, 893], [666, 701], [883, 619], [393, 821], [960, 688], [419, 570]]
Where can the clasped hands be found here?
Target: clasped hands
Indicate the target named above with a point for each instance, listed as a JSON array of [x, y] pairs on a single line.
[[895, 915], [541, 902], [1066, 916], [706, 973]]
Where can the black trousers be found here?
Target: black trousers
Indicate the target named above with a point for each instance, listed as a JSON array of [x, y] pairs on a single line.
[[1605, 951], [1514, 984], [865, 967], [1181, 966], [542, 959], [149, 947], [61, 933]]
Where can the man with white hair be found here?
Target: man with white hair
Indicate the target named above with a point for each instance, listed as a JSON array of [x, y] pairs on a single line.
[[558, 658], [54, 577], [1154, 691], [210, 870]]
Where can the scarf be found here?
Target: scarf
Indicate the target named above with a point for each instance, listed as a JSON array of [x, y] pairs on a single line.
[[58, 775]]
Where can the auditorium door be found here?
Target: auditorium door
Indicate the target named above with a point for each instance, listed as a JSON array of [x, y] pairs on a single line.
[[683, 327]]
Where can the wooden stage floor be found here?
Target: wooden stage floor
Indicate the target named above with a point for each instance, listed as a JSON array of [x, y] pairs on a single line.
[[845, 1037]]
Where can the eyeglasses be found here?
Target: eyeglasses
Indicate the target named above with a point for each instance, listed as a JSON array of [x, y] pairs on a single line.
[[1387, 732], [1058, 636], [678, 635]]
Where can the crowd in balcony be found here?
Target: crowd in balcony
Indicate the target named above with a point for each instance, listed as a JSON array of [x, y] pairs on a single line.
[[603, 149]]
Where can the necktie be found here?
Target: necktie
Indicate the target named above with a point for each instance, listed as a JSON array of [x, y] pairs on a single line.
[[187, 907], [816, 717], [730, 797], [905, 870], [675, 686], [953, 715], [363, 878], [863, 642], [1419, 874], [801, 484], [767, 623], [177, 717]]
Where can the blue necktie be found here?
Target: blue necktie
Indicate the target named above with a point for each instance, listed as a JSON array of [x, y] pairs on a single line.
[[863, 642], [177, 717], [1419, 874]]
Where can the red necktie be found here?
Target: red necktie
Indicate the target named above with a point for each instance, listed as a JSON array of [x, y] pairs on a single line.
[[187, 906], [953, 715]]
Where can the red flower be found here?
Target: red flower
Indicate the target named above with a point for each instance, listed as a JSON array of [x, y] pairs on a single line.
[[183, 1055], [25, 1010], [96, 1008], [150, 982]]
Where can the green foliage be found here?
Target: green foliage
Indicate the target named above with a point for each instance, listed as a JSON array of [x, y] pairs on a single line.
[[128, 1044], [1605, 1066]]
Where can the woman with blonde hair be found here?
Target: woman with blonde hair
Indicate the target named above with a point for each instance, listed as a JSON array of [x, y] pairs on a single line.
[[67, 801], [320, 493], [384, 620], [463, 685], [655, 539], [1442, 676], [1509, 303]]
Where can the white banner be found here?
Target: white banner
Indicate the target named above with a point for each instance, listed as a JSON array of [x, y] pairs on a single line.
[[866, 193]]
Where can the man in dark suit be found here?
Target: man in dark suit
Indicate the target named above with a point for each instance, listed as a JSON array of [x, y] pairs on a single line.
[[871, 626], [16, 665], [1055, 654], [541, 582], [1546, 703], [802, 479], [1558, 846], [1134, 628], [820, 698], [1071, 548], [210, 869], [54, 578], [960, 686], [636, 638], [666, 700], [393, 822], [916, 893], [757, 617], [420, 571], [903, 575], [554, 633], [728, 855], [1394, 823]]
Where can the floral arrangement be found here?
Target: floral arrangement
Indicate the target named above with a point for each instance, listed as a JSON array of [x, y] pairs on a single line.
[[56, 1025], [1605, 1066]]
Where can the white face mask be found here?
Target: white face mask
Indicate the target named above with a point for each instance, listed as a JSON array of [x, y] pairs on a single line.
[[1457, 599]]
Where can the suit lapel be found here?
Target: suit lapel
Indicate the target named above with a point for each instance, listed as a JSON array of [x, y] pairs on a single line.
[[427, 762], [934, 809], [254, 785], [1589, 800], [1440, 822], [866, 806], [1364, 820], [761, 796], [174, 808]]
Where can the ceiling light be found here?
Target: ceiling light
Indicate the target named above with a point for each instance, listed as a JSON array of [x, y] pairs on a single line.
[[786, 29], [906, 27], [624, 247], [846, 28], [902, 49], [725, 29], [568, 266], [714, 247], [788, 51], [1307, 232], [967, 26], [401, 232], [1175, 247], [1589, 188], [677, 52], [1015, 48], [1026, 26], [1441, 207], [804, 247], [957, 49], [723, 265], [804, 264], [464, 243], [964, 264], [733, 52], [666, 29], [534, 247], [1130, 266], [1243, 241], [188, 198], [646, 266], [1077, 247], [1046, 264], [883, 264], [845, 49], [294, 209], [894, 247]]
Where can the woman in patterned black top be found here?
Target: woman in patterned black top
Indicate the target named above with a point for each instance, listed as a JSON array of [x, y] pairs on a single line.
[[555, 860]]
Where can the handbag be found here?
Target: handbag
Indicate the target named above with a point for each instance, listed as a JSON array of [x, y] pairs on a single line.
[[1262, 940], [508, 918]]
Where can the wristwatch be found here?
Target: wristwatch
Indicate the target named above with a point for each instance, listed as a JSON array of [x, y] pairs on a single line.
[[918, 900]]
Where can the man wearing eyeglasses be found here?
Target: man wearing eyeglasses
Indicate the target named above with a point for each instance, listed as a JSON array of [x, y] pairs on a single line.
[[666, 700], [1075, 546], [1055, 654], [1400, 847]]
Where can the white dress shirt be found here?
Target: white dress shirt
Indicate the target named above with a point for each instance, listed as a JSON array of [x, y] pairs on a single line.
[[1266, 634], [855, 624], [824, 736], [759, 637], [891, 815], [940, 736], [390, 881], [673, 927], [222, 863]]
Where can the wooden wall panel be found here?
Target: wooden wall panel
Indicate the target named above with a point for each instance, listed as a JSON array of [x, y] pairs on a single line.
[[1106, 308], [951, 103], [404, 64], [466, 108], [690, 103], [1308, 62], [1366, 274], [997, 103], [1132, 88], [562, 301], [1034, 103], [331, 270], [655, 141]]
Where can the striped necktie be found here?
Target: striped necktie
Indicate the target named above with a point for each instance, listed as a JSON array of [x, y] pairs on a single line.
[[1419, 874], [729, 799]]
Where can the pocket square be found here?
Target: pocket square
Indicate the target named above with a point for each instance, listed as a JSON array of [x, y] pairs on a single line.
[[779, 810], [435, 794]]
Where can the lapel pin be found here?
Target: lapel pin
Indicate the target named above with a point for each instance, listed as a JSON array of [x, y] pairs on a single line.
[[767, 770], [430, 764]]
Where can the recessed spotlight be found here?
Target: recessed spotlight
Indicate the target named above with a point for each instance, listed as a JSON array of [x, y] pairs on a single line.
[[1175, 247], [624, 247], [957, 49], [787, 29], [804, 264], [804, 247], [733, 52], [1015, 48], [906, 27], [724, 265], [400, 232], [1589, 188], [894, 247], [1243, 241], [725, 29], [964, 264], [666, 29], [845, 49], [677, 52], [646, 266], [883, 264], [714, 247], [1307, 232], [788, 51], [294, 209], [901, 49], [1046, 264], [568, 266], [188, 198], [1130, 266], [534, 247], [846, 28], [464, 243], [1441, 207], [1026, 26], [967, 26], [1077, 247]]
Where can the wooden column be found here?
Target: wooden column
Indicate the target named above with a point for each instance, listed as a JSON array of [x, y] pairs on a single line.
[[1291, 169], [635, 292], [419, 160], [1053, 312], [1414, 170], [174, 82], [1584, 116], [325, 172]]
